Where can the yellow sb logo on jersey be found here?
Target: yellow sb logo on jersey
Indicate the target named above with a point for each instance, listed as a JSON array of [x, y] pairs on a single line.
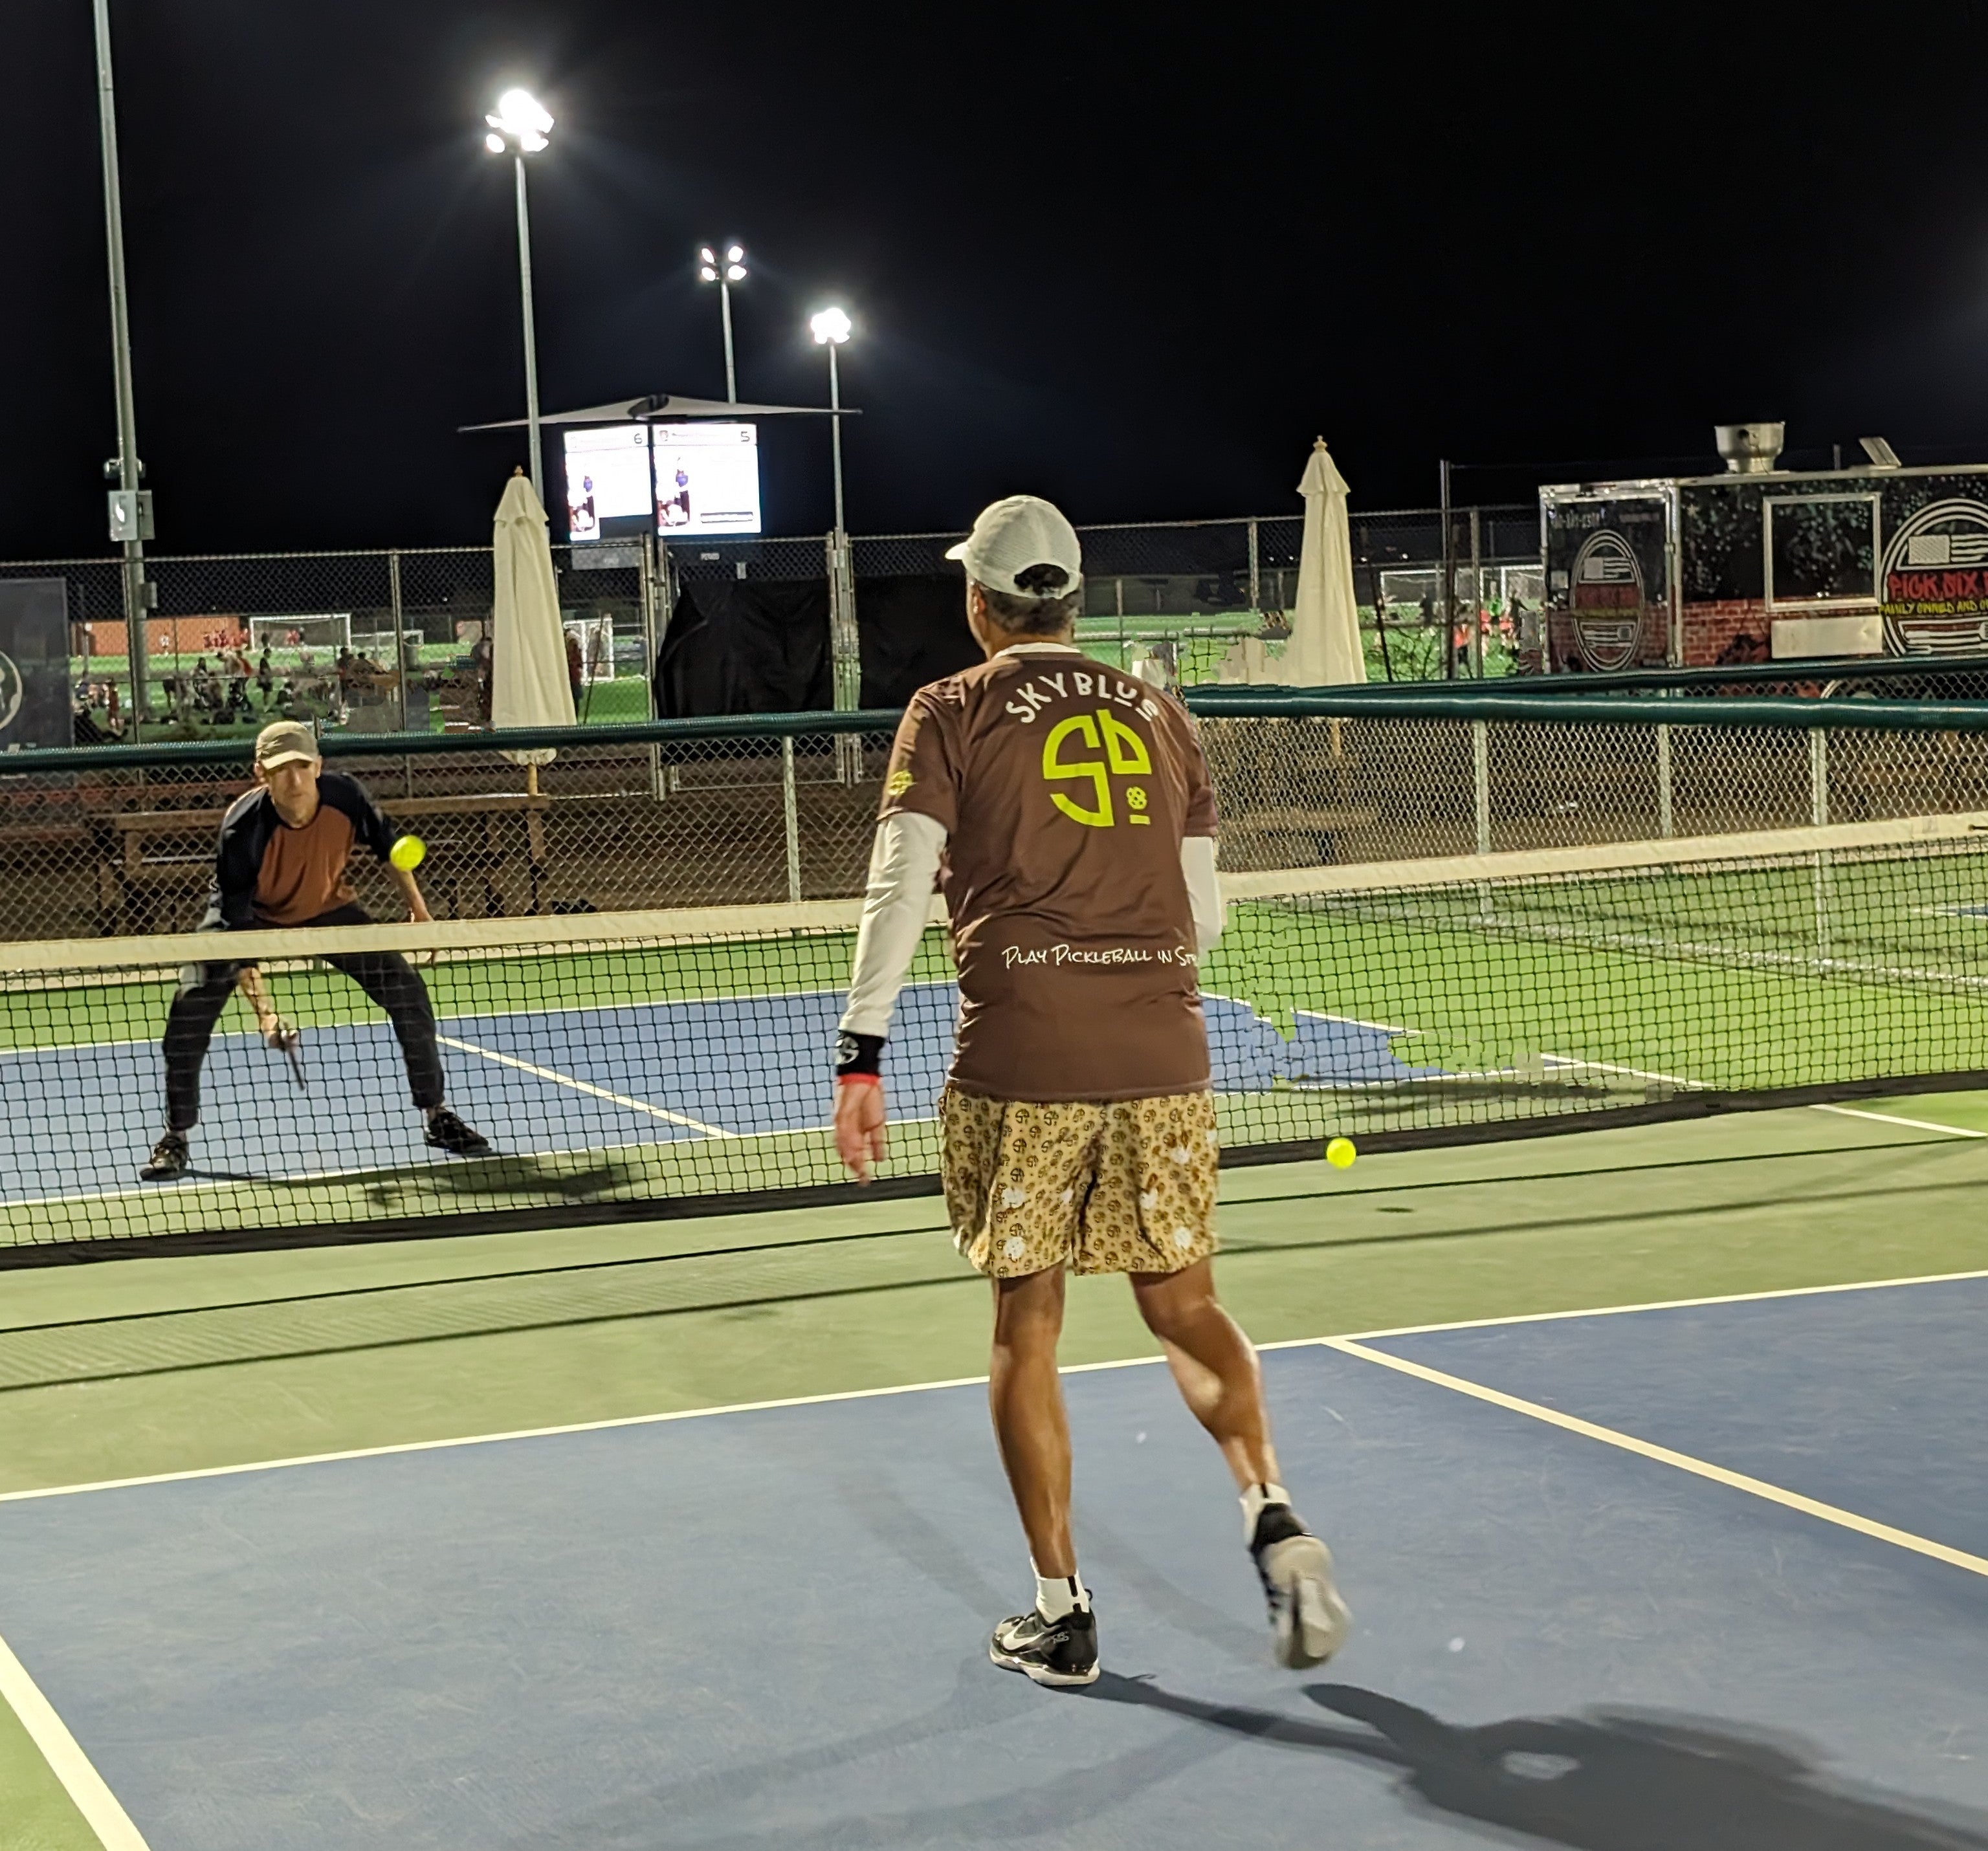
[[1125, 756]]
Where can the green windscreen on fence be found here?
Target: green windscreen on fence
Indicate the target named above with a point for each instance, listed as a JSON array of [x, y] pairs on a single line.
[[613, 1061]]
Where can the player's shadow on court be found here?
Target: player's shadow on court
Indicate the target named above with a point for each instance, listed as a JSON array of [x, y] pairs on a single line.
[[1609, 1781]]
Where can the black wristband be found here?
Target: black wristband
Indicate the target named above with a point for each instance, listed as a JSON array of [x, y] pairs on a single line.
[[858, 1054]]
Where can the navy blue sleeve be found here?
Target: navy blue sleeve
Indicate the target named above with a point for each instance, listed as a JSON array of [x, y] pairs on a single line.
[[238, 861], [350, 798]]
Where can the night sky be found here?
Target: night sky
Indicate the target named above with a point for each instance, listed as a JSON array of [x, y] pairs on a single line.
[[1133, 258]]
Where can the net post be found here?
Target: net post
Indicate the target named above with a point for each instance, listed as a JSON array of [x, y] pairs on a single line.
[[790, 806], [1666, 809]]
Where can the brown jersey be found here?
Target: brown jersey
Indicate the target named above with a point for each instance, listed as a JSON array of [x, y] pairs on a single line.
[[1064, 788]]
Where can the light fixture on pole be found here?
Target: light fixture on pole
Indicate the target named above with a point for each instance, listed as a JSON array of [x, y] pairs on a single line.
[[732, 270], [831, 328], [130, 506], [522, 125]]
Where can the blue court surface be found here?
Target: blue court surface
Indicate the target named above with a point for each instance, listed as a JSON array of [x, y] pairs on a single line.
[[77, 1121], [766, 1628]]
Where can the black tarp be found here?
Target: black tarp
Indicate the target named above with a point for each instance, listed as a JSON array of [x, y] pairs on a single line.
[[760, 646], [912, 629], [745, 646]]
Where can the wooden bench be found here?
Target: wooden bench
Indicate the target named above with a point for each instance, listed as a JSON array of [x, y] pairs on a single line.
[[148, 860]]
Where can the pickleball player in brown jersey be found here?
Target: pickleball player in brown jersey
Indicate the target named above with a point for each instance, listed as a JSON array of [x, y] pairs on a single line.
[[1065, 809]]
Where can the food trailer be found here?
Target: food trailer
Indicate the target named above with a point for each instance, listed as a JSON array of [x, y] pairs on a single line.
[[1760, 564]]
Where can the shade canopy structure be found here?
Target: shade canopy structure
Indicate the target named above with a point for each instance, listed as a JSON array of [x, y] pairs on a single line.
[[661, 407], [1325, 651], [529, 686]]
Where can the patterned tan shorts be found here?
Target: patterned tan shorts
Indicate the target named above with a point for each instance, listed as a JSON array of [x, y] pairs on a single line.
[[1124, 1186]]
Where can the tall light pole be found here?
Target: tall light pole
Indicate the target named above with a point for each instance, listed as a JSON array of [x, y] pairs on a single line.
[[724, 274], [130, 508], [521, 127], [831, 328]]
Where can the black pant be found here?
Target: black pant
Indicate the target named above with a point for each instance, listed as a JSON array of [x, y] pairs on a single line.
[[385, 976]]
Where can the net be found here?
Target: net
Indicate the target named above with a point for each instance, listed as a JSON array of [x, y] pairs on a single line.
[[633, 1063]]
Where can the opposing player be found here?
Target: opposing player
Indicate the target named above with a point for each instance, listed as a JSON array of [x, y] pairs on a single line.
[[1067, 809], [282, 861]]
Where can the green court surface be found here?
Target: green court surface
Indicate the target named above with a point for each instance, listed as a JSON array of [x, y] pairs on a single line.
[[135, 1367]]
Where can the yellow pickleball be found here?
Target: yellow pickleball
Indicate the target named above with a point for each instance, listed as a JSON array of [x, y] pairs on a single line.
[[407, 853], [1339, 1154]]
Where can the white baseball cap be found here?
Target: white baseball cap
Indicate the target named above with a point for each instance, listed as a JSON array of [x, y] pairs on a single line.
[[1011, 536]]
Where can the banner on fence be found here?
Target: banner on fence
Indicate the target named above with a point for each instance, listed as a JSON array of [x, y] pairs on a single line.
[[34, 663]]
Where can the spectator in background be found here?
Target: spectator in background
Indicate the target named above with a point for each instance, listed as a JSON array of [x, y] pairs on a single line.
[[575, 668]]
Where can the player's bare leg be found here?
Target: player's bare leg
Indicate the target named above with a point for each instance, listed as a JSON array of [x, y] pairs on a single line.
[[1215, 1366], [1056, 1641], [1025, 1395]]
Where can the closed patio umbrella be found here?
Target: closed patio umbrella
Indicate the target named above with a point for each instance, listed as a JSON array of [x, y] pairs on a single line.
[[1325, 651], [528, 669]]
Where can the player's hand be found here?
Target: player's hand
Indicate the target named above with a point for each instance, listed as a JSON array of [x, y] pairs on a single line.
[[860, 1137], [280, 1033], [417, 911]]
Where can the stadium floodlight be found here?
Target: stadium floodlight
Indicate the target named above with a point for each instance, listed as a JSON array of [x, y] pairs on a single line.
[[523, 125], [731, 271], [522, 120], [831, 326]]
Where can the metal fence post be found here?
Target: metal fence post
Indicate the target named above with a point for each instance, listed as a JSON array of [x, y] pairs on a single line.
[[1818, 814], [652, 546], [845, 651], [789, 799], [1476, 597], [1666, 814], [400, 658], [1480, 757], [1447, 604], [1255, 572]]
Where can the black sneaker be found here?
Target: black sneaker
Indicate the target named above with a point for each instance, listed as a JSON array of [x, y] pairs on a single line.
[[1055, 1651], [446, 1132], [1306, 1614], [169, 1158]]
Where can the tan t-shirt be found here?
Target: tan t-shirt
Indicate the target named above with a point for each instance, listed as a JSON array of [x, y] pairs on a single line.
[[1064, 788], [304, 874]]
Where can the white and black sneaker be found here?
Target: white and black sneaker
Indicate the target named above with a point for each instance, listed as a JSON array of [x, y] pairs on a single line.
[[1057, 1651], [446, 1132], [169, 1158], [1307, 1615]]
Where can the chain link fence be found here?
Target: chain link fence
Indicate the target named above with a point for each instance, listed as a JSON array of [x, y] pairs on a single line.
[[396, 639], [121, 842]]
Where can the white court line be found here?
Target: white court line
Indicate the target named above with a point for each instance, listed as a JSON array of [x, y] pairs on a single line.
[[1663, 1455], [1891, 1118], [80, 1781], [1620, 1311], [581, 1085], [914, 1388]]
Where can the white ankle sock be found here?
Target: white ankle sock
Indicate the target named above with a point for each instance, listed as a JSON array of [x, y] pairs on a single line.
[[1253, 1500], [1057, 1594]]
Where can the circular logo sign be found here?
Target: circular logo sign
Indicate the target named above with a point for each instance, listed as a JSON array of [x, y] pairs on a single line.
[[11, 690], [1935, 582], [1605, 596]]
